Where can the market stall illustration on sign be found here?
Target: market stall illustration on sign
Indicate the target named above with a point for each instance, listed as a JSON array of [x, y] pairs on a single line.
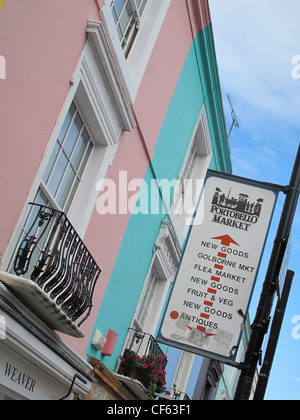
[[216, 276]]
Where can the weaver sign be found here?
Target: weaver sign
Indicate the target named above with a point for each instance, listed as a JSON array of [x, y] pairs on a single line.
[[215, 279]]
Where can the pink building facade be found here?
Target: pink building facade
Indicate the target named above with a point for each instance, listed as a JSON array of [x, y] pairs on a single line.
[[79, 104]]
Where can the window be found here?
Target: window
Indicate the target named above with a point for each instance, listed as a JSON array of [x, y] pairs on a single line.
[[188, 186], [127, 17], [166, 256], [165, 260], [148, 304], [65, 167], [63, 172], [68, 160], [133, 27], [192, 173], [183, 371]]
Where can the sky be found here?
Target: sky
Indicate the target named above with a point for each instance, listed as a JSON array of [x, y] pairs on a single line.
[[258, 53]]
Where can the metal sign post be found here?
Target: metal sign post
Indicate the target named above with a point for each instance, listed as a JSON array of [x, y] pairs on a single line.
[[260, 325], [264, 373]]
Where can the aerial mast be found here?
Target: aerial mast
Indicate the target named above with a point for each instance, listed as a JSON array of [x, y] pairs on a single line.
[[233, 116]]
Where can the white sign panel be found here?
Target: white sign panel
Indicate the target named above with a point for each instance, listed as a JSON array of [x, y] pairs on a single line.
[[218, 269]]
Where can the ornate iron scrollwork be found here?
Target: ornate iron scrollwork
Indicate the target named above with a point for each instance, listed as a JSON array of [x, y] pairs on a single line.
[[53, 256]]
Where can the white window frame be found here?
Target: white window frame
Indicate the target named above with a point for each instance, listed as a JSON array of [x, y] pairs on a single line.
[[135, 18], [154, 285], [199, 149], [165, 260], [44, 186], [132, 69], [183, 371]]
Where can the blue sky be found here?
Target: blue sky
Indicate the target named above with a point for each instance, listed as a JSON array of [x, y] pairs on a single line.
[[257, 44]]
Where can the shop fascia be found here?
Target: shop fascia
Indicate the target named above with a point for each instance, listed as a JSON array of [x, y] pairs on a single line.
[[35, 364]]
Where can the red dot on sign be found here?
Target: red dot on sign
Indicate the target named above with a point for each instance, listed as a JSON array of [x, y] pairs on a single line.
[[174, 315]]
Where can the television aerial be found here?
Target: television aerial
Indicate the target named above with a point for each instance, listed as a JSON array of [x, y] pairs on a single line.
[[233, 116]]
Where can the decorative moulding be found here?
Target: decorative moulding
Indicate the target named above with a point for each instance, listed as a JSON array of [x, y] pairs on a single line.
[[117, 84]]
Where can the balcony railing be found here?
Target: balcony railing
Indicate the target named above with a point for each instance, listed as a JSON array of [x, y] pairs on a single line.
[[174, 395], [143, 360], [143, 344], [53, 256], [178, 395]]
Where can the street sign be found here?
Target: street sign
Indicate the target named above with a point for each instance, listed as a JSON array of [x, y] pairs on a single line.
[[215, 279]]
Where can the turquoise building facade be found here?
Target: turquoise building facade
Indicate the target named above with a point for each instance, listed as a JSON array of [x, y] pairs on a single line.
[[195, 110]]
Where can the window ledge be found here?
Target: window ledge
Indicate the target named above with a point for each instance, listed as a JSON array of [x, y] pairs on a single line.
[[36, 298], [134, 386]]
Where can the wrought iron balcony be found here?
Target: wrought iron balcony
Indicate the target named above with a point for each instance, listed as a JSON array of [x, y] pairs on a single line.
[[174, 395], [144, 362], [54, 271], [178, 395], [143, 344]]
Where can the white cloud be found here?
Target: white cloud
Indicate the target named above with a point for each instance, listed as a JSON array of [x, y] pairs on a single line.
[[255, 43], [252, 161]]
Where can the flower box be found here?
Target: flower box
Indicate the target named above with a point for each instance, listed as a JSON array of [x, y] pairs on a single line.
[[147, 369]]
